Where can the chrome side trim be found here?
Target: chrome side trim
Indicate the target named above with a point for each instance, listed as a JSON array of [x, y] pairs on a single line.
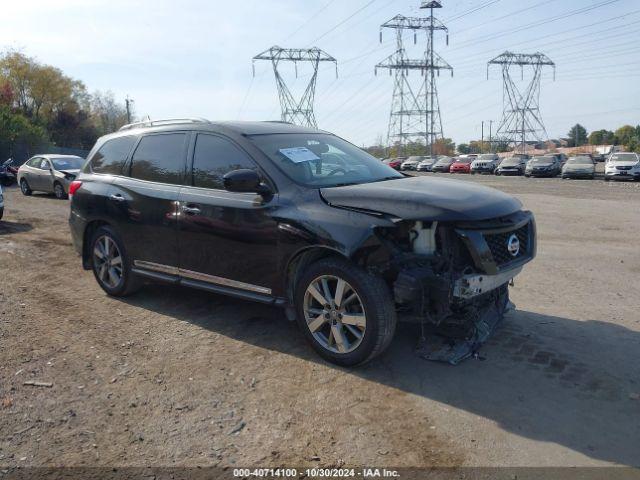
[[157, 267], [203, 277], [223, 281]]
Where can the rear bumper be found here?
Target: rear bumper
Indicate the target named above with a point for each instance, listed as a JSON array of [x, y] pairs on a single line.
[[77, 226]]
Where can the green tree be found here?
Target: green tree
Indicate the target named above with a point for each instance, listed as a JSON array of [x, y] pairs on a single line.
[[577, 136], [624, 134], [17, 130], [464, 148]]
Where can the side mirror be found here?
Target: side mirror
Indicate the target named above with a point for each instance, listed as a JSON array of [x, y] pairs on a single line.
[[245, 181]]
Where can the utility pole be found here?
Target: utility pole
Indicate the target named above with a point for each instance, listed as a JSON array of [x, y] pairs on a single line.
[[415, 112], [299, 112], [128, 102], [482, 138], [521, 109], [490, 136]]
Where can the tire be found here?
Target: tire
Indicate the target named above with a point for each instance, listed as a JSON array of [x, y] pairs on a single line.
[[128, 283], [58, 191], [1, 213], [372, 305], [24, 188]]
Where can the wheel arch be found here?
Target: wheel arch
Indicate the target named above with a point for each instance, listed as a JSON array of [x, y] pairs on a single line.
[[89, 230], [302, 259]]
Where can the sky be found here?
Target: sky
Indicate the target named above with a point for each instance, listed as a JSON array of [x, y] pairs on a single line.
[[192, 58]]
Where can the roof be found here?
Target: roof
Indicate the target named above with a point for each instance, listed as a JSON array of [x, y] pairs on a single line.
[[52, 156], [239, 127]]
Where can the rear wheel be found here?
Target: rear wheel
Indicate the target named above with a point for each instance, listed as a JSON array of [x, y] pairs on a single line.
[[111, 264], [59, 192], [346, 314], [24, 188]]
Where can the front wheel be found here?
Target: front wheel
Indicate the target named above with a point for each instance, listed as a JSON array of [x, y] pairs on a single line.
[[59, 192], [111, 264], [345, 313], [24, 188]]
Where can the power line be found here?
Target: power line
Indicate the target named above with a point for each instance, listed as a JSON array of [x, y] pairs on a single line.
[[343, 21]]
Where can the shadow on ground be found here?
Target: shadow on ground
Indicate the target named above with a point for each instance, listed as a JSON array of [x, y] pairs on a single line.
[[7, 227], [543, 377]]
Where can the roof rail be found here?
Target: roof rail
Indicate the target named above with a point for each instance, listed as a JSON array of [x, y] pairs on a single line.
[[165, 121]]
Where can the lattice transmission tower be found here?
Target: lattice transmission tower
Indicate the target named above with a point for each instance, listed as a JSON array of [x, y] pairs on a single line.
[[415, 110], [299, 112], [521, 118]]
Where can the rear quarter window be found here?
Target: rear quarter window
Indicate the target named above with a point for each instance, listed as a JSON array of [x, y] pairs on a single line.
[[160, 158], [110, 158]]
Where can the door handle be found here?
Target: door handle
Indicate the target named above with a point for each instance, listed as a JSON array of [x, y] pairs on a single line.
[[191, 210], [117, 198]]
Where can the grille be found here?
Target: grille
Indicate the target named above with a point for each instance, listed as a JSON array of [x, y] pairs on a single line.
[[624, 168], [498, 244]]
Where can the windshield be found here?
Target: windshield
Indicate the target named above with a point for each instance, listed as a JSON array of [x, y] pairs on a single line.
[[623, 157], [322, 160], [445, 161], [465, 160], [486, 157], [73, 163], [580, 161], [543, 160]]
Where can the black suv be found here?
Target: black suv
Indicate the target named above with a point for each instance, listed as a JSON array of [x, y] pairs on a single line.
[[300, 218]]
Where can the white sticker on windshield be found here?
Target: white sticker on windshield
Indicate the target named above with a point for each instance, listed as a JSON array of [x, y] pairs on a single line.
[[299, 154]]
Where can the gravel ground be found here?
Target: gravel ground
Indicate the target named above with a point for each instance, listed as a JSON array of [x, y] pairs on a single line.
[[178, 377]]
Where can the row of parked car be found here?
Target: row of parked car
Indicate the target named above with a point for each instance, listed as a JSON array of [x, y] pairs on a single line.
[[619, 165]]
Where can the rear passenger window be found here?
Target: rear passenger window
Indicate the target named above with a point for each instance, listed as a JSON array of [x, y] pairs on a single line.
[[213, 158], [112, 155], [160, 158]]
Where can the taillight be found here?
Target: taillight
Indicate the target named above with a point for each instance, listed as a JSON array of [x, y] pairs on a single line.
[[73, 188]]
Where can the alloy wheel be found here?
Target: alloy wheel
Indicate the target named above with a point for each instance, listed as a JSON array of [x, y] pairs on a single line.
[[23, 187], [108, 261], [334, 314], [58, 190]]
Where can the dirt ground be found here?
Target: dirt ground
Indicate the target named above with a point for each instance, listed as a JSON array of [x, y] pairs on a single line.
[[179, 377]]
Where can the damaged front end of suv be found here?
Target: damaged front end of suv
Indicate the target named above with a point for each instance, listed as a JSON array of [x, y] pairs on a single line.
[[449, 266]]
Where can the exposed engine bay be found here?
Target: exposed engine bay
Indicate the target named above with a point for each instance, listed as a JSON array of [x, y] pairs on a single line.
[[452, 278]]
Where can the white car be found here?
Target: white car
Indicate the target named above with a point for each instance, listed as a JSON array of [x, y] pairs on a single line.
[[622, 166], [1, 203], [485, 163], [427, 163], [410, 163]]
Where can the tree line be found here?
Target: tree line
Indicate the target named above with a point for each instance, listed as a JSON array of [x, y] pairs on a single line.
[[40, 106]]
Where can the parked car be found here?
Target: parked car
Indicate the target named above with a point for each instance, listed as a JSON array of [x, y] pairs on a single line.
[[545, 166], [599, 157], [581, 166], [411, 163], [248, 209], [512, 166], [443, 165], [8, 172], [1, 203], [622, 166], [394, 163], [560, 157], [461, 165], [427, 163], [485, 163], [49, 173]]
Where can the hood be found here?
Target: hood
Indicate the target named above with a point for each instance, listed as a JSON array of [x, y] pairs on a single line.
[[425, 198], [622, 163], [578, 166]]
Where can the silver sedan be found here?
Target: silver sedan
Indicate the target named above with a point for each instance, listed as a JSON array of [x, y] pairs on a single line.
[[49, 173]]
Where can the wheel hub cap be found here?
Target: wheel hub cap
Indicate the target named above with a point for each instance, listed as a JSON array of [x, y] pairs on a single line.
[[334, 314]]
